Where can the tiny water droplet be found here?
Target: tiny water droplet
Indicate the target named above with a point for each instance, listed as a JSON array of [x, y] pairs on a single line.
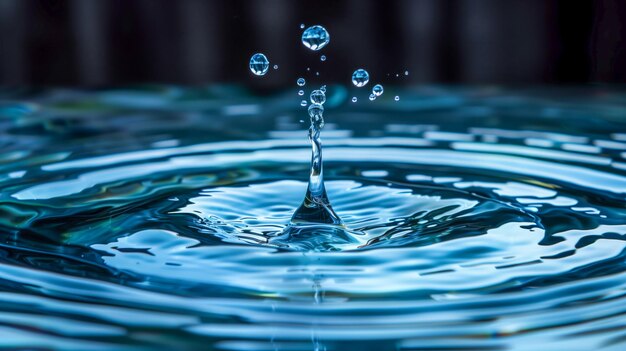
[[275, 66], [323, 58], [397, 98], [318, 97], [302, 26], [301, 92], [315, 37], [372, 97], [406, 73], [308, 69], [354, 99], [303, 103], [397, 75], [317, 73], [316, 111], [259, 64], [301, 82], [360, 77], [323, 89], [378, 90]]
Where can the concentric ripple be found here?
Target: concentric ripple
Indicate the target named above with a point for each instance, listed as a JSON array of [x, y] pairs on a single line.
[[157, 219]]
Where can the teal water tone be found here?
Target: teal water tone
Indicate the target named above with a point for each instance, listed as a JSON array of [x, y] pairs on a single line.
[[156, 218]]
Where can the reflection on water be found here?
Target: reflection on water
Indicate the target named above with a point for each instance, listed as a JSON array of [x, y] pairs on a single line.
[[156, 218]]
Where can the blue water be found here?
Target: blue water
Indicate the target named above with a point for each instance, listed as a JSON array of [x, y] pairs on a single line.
[[157, 218]]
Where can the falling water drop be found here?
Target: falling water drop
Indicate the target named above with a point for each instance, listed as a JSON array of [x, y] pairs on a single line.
[[323, 89], [301, 82], [275, 66], [318, 97], [372, 97], [323, 58], [303, 103], [360, 77], [315, 37], [378, 90], [354, 99], [301, 92], [302, 26], [406, 73], [259, 64], [397, 98]]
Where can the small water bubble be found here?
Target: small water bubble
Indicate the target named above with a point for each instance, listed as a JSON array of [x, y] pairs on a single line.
[[397, 75], [323, 58], [354, 99], [317, 73], [302, 26], [301, 92], [397, 98], [372, 97], [301, 82], [316, 110], [275, 66], [406, 73], [308, 69], [318, 97], [378, 90], [303, 103], [360, 77], [259, 64], [323, 89], [315, 37]]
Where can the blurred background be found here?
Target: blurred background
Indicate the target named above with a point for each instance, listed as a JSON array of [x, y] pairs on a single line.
[[116, 42]]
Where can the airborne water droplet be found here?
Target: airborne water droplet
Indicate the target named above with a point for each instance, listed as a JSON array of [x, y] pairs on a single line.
[[315, 37], [323, 89], [318, 97], [360, 77], [354, 99], [406, 73], [323, 58], [397, 98], [259, 64], [301, 82], [372, 97], [301, 92], [302, 26], [275, 66], [303, 103], [378, 90]]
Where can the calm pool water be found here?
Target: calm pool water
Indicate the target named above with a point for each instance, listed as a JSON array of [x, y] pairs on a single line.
[[154, 219]]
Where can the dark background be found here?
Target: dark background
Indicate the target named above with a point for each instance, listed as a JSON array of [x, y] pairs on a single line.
[[114, 42]]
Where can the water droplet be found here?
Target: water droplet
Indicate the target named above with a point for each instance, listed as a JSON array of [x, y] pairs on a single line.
[[354, 99], [397, 75], [303, 103], [316, 111], [259, 64], [323, 58], [318, 97], [275, 66], [308, 69], [302, 26], [315, 37], [360, 77], [317, 73], [397, 98], [301, 92], [323, 89], [406, 73], [378, 90], [372, 97], [301, 82]]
